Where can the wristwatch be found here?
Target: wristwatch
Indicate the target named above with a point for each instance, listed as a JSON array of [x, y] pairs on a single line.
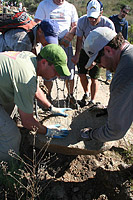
[[85, 133]]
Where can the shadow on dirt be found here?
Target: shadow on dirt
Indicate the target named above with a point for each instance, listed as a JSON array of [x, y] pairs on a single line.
[[106, 185]]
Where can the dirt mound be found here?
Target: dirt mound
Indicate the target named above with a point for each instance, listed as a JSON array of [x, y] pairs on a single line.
[[105, 176]]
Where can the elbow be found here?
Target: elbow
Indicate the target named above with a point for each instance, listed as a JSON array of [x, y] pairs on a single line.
[[106, 134]]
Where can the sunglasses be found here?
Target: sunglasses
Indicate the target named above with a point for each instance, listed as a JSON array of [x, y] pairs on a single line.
[[124, 12], [98, 58]]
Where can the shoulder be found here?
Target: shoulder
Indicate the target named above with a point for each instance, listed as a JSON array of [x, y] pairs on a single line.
[[106, 20], [43, 2], [83, 18], [124, 21], [113, 17], [18, 32], [69, 5]]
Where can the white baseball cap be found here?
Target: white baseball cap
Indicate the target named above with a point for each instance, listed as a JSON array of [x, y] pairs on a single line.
[[93, 9], [96, 40]]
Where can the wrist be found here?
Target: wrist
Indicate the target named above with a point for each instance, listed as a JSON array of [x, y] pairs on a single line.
[[86, 133]]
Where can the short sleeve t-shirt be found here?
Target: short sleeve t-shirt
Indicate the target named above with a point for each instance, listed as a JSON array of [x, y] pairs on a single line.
[[121, 25], [17, 40], [64, 14], [84, 27], [18, 79]]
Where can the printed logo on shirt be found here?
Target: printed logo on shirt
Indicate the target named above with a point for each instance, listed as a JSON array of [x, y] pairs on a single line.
[[11, 54], [60, 16]]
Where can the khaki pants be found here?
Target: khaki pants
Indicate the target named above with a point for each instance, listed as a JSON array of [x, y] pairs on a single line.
[[10, 136]]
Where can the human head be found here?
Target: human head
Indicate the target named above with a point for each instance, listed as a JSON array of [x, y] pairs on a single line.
[[24, 9], [55, 54], [94, 12], [124, 11], [93, 9], [96, 40], [58, 2], [50, 29], [101, 5]]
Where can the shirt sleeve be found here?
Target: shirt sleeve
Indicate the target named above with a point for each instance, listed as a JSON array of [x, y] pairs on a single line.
[[24, 95], [40, 12], [125, 30], [79, 30], [74, 14], [120, 115]]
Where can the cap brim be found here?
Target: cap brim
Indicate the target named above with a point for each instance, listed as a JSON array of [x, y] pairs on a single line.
[[51, 39], [62, 70], [93, 14], [91, 60]]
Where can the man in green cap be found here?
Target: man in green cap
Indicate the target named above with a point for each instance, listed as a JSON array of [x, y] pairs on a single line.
[[18, 86]]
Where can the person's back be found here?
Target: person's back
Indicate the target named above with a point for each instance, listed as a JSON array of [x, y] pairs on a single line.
[[15, 40], [18, 83], [21, 39], [16, 80]]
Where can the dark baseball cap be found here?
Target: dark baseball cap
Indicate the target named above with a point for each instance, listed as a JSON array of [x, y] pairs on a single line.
[[51, 29]]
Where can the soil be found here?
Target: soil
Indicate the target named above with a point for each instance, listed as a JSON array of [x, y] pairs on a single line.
[[105, 176]]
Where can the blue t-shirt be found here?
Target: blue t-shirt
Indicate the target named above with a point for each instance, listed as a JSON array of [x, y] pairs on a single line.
[[121, 25]]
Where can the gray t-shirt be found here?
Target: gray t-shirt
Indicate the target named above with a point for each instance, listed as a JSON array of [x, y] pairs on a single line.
[[120, 107], [84, 27], [16, 40]]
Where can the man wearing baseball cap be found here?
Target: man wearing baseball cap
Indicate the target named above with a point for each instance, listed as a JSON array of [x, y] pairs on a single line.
[[45, 32], [19, 39], [87, 23], [111, 51], [18, 86]]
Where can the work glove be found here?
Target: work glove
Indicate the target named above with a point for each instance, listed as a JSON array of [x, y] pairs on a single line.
[[59, 111], [85, 134], [54, 132]]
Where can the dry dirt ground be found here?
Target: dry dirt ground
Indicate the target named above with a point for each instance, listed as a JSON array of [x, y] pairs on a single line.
[[105, 176]]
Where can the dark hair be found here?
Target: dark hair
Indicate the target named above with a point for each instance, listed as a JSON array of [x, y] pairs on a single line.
[[117, 41], [126, 7], [39, 57]]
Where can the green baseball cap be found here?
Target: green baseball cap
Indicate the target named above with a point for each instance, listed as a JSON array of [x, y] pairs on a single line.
[[56, 55]]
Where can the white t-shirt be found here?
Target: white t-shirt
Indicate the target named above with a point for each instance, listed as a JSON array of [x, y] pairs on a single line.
[[64, 14]]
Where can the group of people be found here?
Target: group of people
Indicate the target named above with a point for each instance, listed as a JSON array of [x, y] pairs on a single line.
[[98, 45]]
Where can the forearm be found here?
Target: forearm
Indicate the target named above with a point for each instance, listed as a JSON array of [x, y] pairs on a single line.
[[28, 121], [34, 123], [78, 45], [120, 116], [41, 97], [37, 20]]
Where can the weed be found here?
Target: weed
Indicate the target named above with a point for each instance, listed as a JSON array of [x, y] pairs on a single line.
[[25, 178]]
